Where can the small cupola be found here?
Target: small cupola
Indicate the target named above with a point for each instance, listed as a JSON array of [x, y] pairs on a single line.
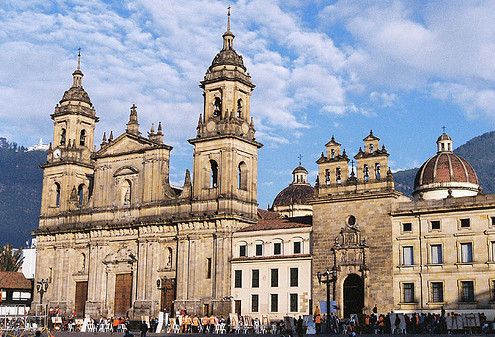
[[444, 143]]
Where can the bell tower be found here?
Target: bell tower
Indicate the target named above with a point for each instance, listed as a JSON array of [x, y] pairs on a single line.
[[68, 172], [225, 149]]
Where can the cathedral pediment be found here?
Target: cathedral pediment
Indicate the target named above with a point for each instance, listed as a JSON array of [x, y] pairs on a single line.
[[128, 143]]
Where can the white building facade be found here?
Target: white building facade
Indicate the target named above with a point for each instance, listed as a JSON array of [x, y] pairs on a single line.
[[271, 269]]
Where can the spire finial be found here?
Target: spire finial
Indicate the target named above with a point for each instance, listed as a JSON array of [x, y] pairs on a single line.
[[443, 128], [228, 18], [300, 158], [79, 59], [133, 125]]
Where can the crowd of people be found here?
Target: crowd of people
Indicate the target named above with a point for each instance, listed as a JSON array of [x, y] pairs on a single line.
[[374, 323]]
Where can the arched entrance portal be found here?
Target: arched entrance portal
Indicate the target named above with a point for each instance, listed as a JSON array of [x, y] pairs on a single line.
[[353, 295]]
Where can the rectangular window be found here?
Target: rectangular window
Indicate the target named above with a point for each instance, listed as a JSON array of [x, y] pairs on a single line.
[[492, 220], [242, 251], [294, 277], [293, 303], [407, 256], [492, 258], [297, 247], [407, 227], [208, 267], [274, 302], [255, 279], [467, 291], [274, 278], [238, 279], [436, 292], [259, 249], [435, 224], [436, 254], [254, 303], [466, 252], [465, 223], [408, 291], [277, 248]]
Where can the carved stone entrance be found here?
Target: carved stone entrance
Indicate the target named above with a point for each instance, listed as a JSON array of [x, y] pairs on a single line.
[[123, 293], [349, 253], [81, 297], [353, 295]]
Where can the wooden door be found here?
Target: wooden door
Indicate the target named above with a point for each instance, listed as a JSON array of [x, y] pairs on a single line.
[[123, 293], [167, 296], [237, 307], [81, 297]]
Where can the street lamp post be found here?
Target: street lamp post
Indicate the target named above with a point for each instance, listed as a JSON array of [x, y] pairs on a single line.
[[41, 288], [330, 277]]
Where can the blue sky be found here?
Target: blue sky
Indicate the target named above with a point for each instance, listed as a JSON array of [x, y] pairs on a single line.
[[321, 68]]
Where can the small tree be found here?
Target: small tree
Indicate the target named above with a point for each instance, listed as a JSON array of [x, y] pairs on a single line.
[[10, 259]]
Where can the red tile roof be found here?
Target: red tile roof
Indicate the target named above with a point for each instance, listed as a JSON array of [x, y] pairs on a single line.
[[13, 280], [264, 214], [279, 223], [272, 257]]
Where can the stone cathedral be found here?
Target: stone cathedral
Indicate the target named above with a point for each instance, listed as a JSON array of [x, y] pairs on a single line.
[[111, 224]]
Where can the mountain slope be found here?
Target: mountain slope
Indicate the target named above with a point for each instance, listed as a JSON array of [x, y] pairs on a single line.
[[20, 194]]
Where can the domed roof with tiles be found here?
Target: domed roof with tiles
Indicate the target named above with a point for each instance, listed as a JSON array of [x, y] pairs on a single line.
[[446, 172], [298, 192]]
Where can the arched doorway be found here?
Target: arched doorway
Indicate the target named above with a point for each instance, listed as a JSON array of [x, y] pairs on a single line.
[[353, 295]]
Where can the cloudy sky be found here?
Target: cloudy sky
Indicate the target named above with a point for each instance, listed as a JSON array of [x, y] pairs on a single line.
[[321, 68]]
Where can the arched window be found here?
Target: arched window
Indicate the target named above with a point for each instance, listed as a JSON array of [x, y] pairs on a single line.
[[82, 138], [57, 197], [126, 192], [366, 171], [371, 148], [214, 174], [377, 170], [327, 177], [62, 137], [242, 176], [333, 153], [239, 108], [217, 107], [169, 257], [338, 175], [80, 194]]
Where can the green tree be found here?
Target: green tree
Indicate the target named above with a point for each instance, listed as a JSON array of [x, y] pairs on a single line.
[[10, 259]]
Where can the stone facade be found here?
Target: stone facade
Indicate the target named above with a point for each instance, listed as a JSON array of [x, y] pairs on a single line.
[[111, 224], [444, 254]]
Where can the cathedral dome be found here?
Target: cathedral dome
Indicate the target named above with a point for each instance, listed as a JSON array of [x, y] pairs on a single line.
[[293, 200], [445, 174], [294, 194]]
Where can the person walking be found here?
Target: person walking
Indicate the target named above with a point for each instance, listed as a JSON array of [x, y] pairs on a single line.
[[143, 329], [299, 327], [318, 323]]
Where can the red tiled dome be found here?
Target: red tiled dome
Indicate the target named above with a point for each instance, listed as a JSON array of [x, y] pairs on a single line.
[[295, 194], [445, 167]]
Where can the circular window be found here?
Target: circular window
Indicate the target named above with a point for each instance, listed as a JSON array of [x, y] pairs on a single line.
[[351, 220]]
